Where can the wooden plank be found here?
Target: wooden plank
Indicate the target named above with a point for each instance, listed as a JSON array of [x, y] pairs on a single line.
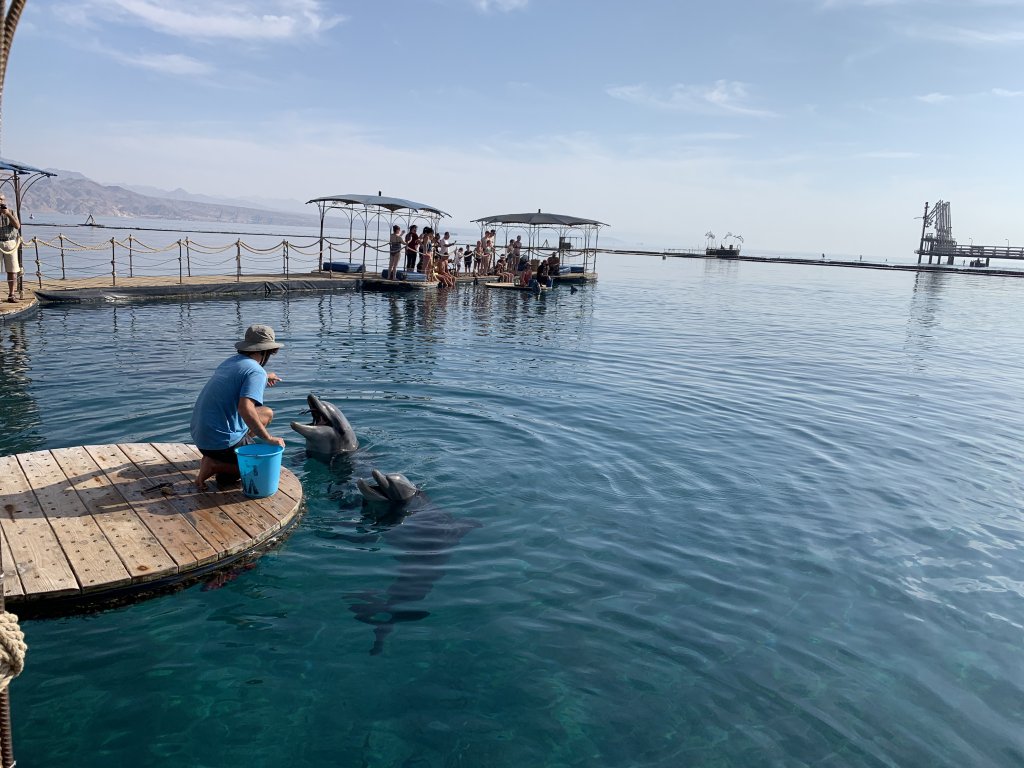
[[92, 558], [12, 581], [176, 534], [289, 485], [251, 516], [138, 549], [38, 557], [212, 522]]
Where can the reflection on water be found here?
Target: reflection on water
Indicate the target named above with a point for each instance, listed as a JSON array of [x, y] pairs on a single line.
[[19, 413]]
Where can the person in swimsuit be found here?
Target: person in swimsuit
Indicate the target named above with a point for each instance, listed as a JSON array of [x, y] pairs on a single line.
[[395, 245]]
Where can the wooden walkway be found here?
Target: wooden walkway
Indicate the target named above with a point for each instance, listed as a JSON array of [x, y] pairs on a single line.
[[82, 525]]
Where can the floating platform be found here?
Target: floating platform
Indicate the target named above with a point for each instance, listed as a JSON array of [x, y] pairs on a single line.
[[89, 526], [517, 287], [383, 284], [575, 277]]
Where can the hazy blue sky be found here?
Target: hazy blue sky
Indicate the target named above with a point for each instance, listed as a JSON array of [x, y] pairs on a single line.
[[813, 125]]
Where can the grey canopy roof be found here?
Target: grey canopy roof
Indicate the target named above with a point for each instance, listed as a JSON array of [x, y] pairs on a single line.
[[390, 203], [539, 219], [20, 168]]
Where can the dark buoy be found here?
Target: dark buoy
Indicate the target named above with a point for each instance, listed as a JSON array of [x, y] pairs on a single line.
[[573, 289]]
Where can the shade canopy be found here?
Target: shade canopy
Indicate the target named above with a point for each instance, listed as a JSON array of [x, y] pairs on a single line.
[[539, 219], [389, 203], [20, 168]]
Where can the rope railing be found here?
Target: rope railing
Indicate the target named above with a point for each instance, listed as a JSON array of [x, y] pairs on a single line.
[[63, 258]]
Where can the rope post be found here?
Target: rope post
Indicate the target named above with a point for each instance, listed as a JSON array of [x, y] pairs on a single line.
[[330, 252], [39, 272], [63, 274], [113, 262], [188, 257], [179, 263], [131, 266], [286, 259], [238, 260]]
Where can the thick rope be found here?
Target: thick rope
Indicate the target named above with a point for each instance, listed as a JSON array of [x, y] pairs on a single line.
[[12, 649]]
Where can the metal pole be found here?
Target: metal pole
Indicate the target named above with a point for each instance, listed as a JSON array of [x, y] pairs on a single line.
[[285, 252], [39, 273], [131, 266], [188, 257], [238, 261], [63, 273], [920, 245], [330, 250], [179, 263], [113, 262], [323, 212]]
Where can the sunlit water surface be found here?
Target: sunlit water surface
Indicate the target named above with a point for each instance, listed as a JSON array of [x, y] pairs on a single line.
[[729, 514]]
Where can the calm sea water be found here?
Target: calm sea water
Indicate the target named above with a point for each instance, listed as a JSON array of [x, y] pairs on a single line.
[[730, 514]]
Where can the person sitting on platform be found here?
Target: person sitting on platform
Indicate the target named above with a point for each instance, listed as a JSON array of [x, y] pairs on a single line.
[[542, 276], [229, 411], [525, 276], [441, 273], [504, 276]]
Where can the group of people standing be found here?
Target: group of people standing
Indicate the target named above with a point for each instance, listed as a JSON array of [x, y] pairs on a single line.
[[426, 253], [434, 257]]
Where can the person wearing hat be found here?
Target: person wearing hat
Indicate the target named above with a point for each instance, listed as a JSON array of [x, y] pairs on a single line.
[[229, 412]]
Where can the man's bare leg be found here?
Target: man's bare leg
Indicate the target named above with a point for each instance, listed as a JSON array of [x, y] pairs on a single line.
[[208, 468]]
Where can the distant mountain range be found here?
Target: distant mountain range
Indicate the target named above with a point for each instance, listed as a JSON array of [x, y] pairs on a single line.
[[73, 194]]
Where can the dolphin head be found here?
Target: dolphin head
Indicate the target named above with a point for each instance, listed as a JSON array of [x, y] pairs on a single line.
[[388, 489], [330, 432]]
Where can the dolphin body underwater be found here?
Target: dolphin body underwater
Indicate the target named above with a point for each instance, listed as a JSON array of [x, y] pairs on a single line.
[[330, 433], [424, 536]]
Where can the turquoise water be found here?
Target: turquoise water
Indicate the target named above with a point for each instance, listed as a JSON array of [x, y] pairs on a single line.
[[730, 514]]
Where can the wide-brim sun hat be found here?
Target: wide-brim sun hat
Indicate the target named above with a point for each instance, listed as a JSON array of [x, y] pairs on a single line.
[[258, 338]]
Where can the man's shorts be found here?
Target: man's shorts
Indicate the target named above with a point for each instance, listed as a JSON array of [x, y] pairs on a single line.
[[10, 256], [227, 455]]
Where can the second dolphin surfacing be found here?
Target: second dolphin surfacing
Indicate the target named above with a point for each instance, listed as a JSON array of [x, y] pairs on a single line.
[[423, 537], [330, 433]]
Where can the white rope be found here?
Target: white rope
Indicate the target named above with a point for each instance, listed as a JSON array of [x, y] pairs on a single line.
[[12, 649]]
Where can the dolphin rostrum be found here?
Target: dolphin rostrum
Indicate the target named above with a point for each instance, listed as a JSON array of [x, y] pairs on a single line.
[[330, 433], [423, 536]]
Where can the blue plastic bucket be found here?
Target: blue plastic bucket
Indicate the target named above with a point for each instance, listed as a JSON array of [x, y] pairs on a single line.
[[260, 467]]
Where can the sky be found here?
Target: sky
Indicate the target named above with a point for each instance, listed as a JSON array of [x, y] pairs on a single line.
[[802, 125]]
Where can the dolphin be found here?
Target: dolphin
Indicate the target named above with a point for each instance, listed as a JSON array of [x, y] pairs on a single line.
[[423, 535], [330, 433]]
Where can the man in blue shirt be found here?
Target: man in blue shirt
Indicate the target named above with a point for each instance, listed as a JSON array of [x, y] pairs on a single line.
[[229, 411]]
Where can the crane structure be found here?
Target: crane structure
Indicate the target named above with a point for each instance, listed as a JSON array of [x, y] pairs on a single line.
[[937, 241]]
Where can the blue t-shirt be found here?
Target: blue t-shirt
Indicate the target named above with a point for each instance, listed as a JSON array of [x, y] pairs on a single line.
[[216, 423]]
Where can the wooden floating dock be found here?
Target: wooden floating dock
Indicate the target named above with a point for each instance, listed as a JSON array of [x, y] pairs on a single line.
[[83, 526], [517, 287]]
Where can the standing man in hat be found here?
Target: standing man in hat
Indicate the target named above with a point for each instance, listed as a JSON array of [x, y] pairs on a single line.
[[230, 411]]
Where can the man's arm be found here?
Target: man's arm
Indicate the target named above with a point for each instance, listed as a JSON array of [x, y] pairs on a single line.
[[247, 409]]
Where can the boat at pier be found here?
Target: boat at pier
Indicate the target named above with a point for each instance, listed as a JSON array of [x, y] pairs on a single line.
[[722, 252]]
